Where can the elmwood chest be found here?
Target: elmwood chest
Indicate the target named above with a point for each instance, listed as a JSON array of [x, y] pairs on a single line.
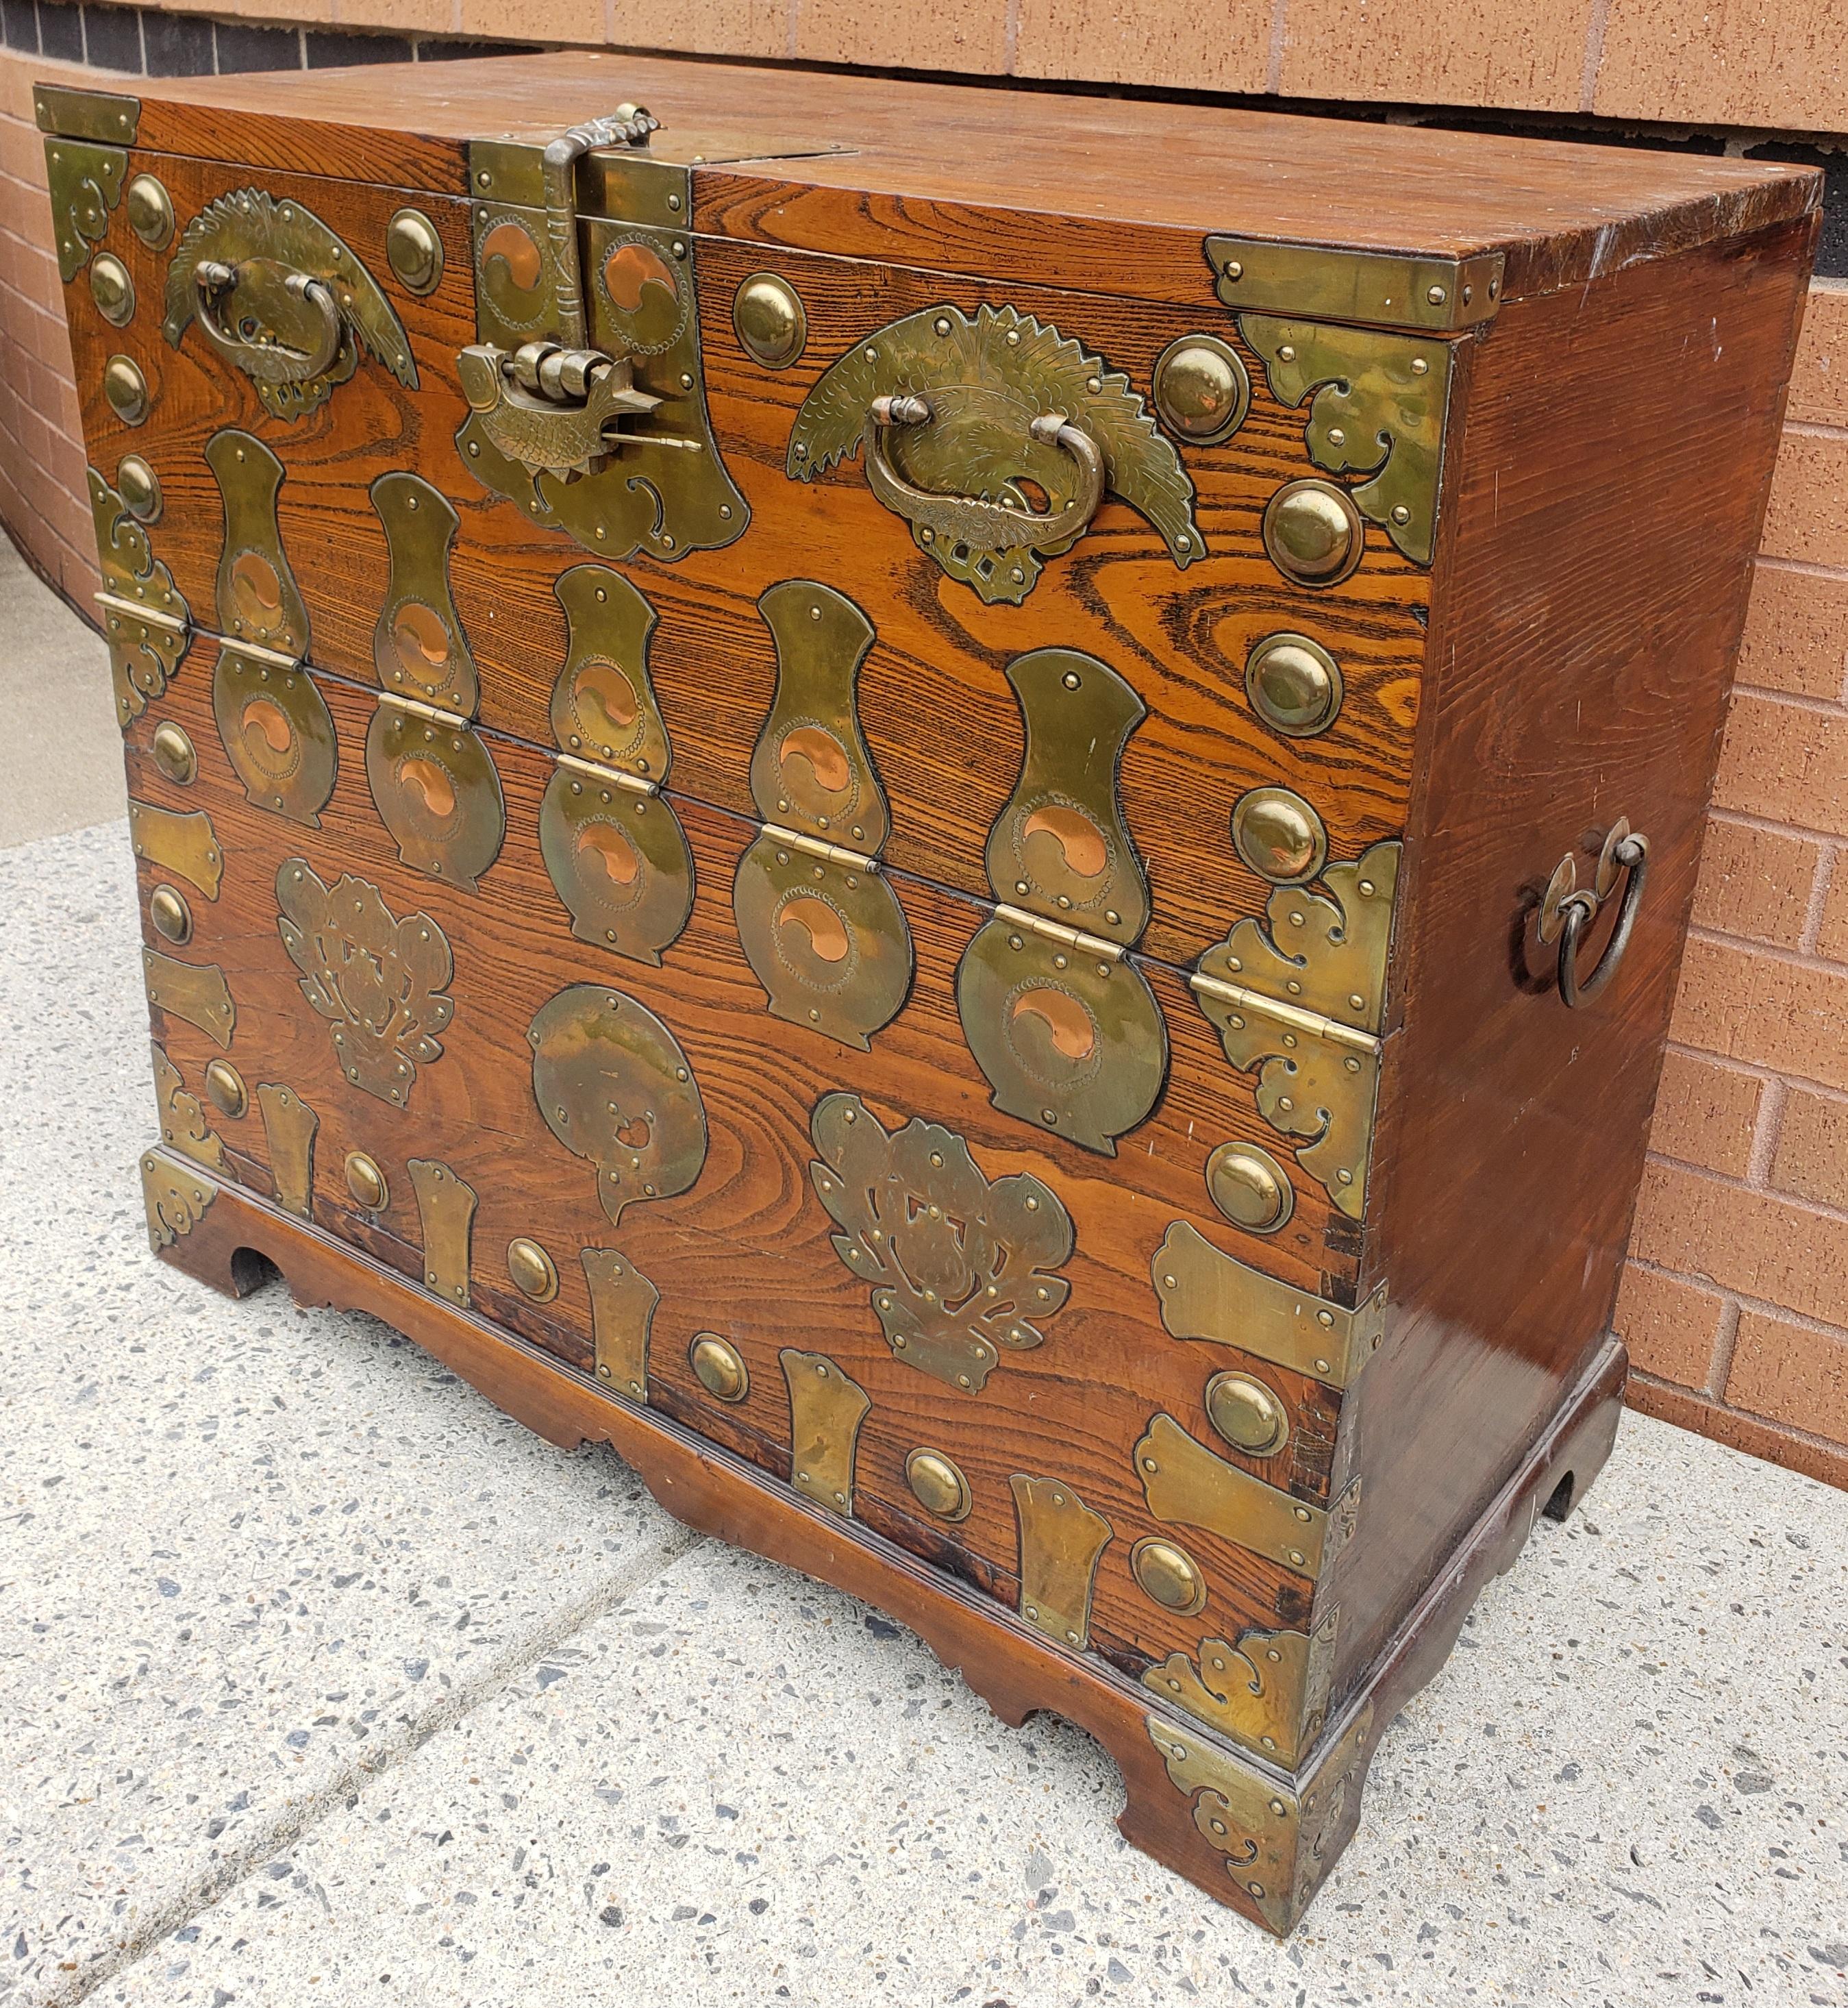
[[970, 815]]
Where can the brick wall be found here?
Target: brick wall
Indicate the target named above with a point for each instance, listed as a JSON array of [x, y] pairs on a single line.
[[1735, 1301]]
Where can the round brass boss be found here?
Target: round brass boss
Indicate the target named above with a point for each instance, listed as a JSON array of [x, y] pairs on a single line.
[[366, 1182], [719, 1367], [126, 389], [535, 1273], [1294, 684], [224, 1085], [1202, 389], [1250, 1187], [1247, 1414], [173, 754], [112, 289], [172, 917], [938, 1485], [1313, 533], [1279, 835], [139, 488], [1169, 1575], [150, 211], [771, 322], [414, 250]]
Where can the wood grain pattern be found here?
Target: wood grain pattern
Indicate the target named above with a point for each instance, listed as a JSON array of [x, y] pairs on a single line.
[[1015, 1670], [939, 176], [933, 688], [745, 1252], [1589, 608]]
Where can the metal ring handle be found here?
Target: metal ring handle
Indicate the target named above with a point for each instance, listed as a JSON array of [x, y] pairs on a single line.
[[268, 362], [1579, 909], [993, 526]]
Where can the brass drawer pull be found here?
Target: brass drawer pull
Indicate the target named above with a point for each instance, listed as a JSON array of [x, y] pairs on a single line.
[[964, 519], [1567, 911], [273, 360]]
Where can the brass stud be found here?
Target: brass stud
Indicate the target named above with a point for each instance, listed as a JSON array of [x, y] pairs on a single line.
[[719, 1367], [139, 488], [171, 916], [1202, 390], [173, 754], [112, 289], [150, 211], [1313, 533], [534, 1273], [126, 389], [1293, 685], [1250, 1187], [366, 1182], [1247, 1414], [414, 250], [938, 1485], [1168, 1574], [1279, 835], [224, 1087], [770, 321]]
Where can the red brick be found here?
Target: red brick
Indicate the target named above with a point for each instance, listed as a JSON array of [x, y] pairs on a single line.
[[1812, 1158], [1775, 65], [1769, 1441], [1807, 516], [1796, 633], [1787, 762], [1705, 1113], [965, 35], [1145, 41], [1792, 1373], [1669, 1324], [1789, 1017], [1832, 937], [1755, 883], [1756, 1244], [1819, 379]]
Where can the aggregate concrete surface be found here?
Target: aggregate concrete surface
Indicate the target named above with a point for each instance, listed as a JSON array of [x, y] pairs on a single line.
[[323, 1682]]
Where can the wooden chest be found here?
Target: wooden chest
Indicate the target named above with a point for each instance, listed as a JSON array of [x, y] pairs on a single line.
[[969, 815]]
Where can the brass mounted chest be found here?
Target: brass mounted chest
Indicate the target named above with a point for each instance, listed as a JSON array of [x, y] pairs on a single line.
[[989, 859]]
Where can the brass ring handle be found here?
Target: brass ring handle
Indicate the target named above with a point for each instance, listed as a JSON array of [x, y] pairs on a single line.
[[1578, 910], [965, 519], [270, 362]]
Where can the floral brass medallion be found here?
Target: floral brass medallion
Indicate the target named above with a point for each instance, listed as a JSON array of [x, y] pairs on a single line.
[[375, 979], [961, 1266]]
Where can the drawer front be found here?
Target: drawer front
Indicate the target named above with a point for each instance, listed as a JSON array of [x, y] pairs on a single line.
[[367, 1043], [940, 720]]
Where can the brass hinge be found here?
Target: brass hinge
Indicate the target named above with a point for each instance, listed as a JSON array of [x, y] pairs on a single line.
[[453, 719], [1380, 288], [109, 117], [1018, 916], [833, 853], [115, 602], [1311, 1024], [614, 775]]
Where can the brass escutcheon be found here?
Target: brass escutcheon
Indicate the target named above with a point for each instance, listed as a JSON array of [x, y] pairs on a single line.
[[1250, 1187], [367, 1183], [126, 389], [770, 320], [170, 916], [1293, 685], [1202, 390], [150, 210], [173, 754], [1279, 835], [534, 1273], [1313, 533], [1168, 1575], [224, 1088], [139, 488], [414, 250], [938, 1485], [1249, 1415], [112, 289]]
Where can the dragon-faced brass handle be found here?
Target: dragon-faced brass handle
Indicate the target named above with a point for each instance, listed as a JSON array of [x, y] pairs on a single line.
[[969, 520], [1568, 910], [276, 302]]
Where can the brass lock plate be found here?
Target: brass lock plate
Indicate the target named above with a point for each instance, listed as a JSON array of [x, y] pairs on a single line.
[[585, 381], [964, 421], [278, 294], [436, 790], [379, 981], [619, 858], [1066, 1030], [615, 1089], [259, 602], [962, 1268], [277, 734]]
